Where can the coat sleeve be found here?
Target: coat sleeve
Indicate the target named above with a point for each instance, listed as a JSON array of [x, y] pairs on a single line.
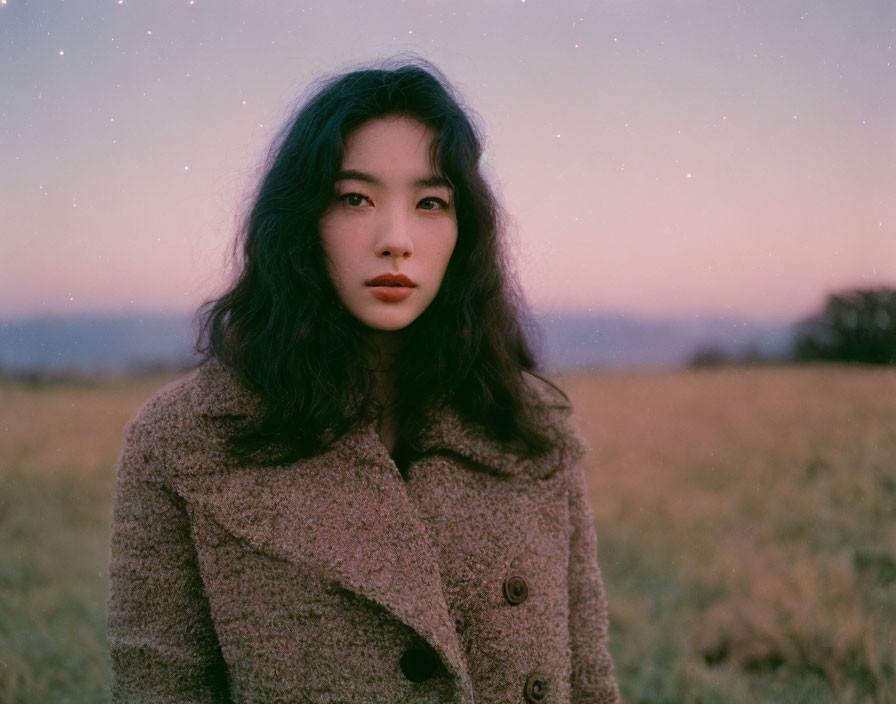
[[162, 643], [593, 681]]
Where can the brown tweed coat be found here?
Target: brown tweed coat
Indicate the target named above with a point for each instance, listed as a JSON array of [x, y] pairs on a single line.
[[334, 580]]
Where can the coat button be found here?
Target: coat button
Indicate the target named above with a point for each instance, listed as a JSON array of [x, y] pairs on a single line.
[[515, 590], [536, 689], [418, 664]]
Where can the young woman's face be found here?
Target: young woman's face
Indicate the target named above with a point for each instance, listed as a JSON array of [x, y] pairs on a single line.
[[391, 228]]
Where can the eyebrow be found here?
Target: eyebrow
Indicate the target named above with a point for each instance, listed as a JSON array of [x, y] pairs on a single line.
[[352, 175]]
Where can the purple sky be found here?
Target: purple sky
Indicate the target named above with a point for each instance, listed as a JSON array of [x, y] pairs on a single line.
[[696, 156]]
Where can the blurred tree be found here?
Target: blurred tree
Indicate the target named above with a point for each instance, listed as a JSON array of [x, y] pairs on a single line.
[[709, 357], [855, 326]]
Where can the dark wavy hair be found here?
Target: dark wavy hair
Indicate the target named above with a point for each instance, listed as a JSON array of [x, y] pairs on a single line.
[[282, 330]]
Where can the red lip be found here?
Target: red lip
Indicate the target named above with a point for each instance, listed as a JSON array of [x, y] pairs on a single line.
[[391, 280]]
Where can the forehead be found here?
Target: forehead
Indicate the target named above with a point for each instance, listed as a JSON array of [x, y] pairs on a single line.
[[389, 142]]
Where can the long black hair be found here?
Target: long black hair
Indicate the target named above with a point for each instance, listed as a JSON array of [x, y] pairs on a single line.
[[282, 330]]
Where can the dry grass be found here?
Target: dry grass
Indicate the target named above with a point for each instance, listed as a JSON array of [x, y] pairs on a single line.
[[750, 516], [68, 427], [746, 517], [58, 446]]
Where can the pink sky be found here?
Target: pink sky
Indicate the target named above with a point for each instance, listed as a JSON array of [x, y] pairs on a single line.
[[655, 157]]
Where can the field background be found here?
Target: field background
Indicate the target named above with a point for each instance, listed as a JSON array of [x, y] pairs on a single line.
[[746, 522]]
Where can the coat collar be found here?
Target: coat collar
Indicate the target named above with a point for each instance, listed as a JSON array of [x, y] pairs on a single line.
[[218, 393], [346, 511]]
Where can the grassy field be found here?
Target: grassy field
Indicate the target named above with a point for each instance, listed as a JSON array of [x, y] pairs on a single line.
[[747, 529], [746, 520]]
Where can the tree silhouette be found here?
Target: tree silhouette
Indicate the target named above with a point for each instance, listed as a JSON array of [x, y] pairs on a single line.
[[855, 326]]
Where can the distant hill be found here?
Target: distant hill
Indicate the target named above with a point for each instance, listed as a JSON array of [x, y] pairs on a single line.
[[96, 343], [614, 340], [118, 343]]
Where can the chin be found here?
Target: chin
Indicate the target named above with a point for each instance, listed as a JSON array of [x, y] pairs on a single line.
[[388, 326], [388, 323]]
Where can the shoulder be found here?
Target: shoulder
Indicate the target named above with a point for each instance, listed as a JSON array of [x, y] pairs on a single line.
[[167, 406], [555, 415], [178, 419], [209, 391], [157, 424]]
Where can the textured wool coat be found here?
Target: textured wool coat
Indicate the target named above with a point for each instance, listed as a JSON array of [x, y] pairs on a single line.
[[334, 579]]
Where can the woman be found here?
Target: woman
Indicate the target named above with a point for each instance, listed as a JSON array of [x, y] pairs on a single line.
[[364, 494]]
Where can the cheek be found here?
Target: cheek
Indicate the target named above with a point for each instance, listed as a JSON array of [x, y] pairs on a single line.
[[444, 247]]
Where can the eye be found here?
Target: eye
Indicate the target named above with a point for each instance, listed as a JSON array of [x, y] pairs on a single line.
[[432, 204], [354, 200]]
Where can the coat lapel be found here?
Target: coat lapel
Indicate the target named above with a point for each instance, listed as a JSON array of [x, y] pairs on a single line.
[[345, 512]]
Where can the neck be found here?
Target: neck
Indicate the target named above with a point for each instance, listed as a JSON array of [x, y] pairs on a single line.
[[381, 347], [381, 351]]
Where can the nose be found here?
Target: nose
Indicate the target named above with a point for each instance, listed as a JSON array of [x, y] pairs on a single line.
[[394, 238]]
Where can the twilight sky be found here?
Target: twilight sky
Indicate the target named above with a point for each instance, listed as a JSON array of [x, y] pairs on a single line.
[[656, 156]]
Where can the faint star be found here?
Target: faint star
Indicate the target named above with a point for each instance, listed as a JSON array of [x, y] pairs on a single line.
[[61, 52]]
